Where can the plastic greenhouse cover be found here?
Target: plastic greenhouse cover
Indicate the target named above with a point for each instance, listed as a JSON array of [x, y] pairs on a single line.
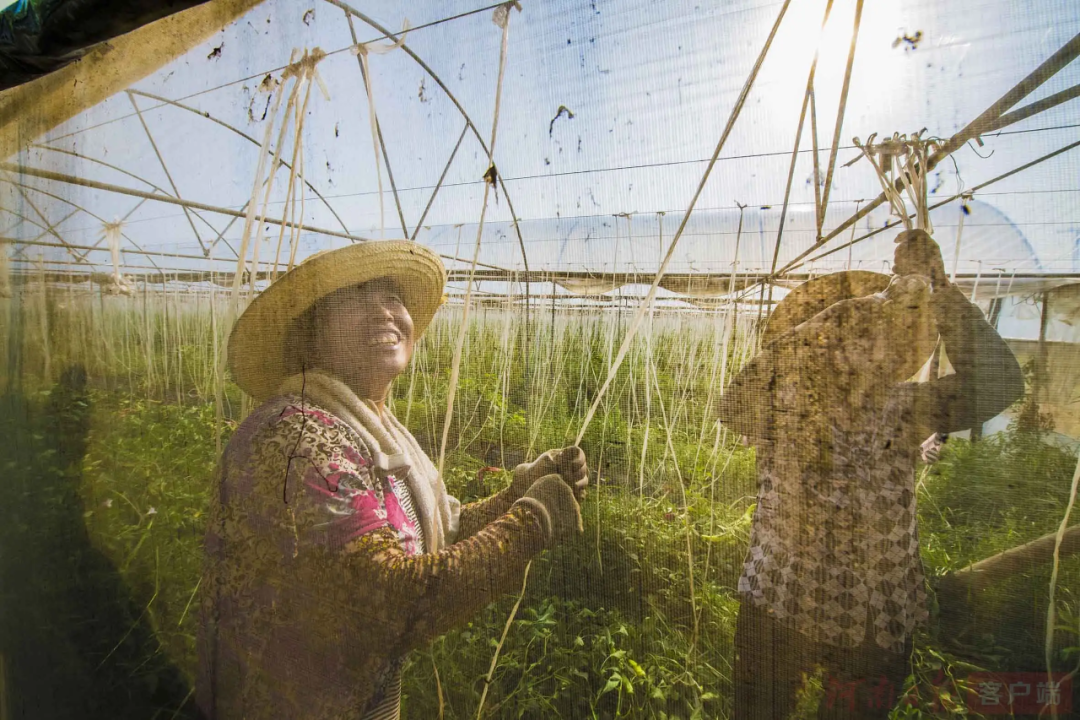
[[693, 427]]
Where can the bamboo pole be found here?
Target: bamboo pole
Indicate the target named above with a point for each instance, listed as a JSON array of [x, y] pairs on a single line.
[[998, 568], [799, 260], [43, 322], [121, 190], [993, 118], [639, 314]]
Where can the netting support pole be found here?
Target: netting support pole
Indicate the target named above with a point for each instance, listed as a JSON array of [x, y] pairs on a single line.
[[640, 313], [807, 97], [120, 190], [992, 119], [165, 169], [840, 110], [800, 261]]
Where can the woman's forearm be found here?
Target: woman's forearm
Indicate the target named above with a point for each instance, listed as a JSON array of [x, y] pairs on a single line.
[[475, 516], [425, 596], [988, 377]]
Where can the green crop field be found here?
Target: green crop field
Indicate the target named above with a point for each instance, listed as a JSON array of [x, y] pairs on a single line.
[[114, 410]]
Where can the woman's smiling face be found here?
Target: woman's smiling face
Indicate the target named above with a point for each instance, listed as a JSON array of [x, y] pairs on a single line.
[[365, 336]]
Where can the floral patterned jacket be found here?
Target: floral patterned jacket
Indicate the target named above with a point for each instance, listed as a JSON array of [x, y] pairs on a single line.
[[317, 584]]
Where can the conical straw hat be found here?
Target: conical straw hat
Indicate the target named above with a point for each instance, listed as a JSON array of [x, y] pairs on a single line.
[[257, 344], [813, 296]]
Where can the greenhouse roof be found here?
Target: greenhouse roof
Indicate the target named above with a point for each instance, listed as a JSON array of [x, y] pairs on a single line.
[[608, 115]]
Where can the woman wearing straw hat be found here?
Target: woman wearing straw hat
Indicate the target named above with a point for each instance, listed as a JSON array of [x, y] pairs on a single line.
[[334, 549], [836, 405]]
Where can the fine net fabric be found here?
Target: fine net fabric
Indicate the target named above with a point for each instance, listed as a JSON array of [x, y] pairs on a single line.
[[751, 391]]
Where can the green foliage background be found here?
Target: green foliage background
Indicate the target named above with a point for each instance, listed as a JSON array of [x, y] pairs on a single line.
[[106, 484]]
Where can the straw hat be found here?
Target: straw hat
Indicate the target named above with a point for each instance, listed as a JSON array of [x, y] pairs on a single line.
[[256, 345], [813, 296]]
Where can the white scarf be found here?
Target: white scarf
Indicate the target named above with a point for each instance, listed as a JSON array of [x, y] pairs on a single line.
[[392, 447]]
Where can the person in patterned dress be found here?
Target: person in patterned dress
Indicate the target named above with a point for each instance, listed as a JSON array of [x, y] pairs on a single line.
[[836, 405], [333, 548]]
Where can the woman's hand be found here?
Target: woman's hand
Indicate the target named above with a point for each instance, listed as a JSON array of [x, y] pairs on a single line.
[[918, 254], [568, 463], [930, 450], [556, 504]]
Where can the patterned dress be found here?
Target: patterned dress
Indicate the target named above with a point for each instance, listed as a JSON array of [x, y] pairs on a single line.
[[317, 583], [834, 550], [833, 544]]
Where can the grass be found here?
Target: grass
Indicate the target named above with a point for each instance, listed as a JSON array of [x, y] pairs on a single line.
[[106, 488]]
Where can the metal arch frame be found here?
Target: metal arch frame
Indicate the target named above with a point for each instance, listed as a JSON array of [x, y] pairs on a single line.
[[24, 187], [220, 234], [390, 35], [44, 231], [400, 42], [992, 119], [241, 133]]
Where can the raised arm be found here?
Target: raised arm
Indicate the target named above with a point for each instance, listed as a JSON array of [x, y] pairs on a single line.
[[988, 378], [432, 594]]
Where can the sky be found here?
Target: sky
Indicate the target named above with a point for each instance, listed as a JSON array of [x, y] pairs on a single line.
[[647, 87]]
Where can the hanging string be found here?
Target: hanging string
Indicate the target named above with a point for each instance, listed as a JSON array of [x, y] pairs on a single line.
[[112, 238], [502, 20], [502, 639], [301, 69], [260, 169], [294, 170], [959, 231], [732, 308], [643, 306], [361, 51], [896, 201], [851, 240], [794, 160], [295, 239], [1051, 611], [5, 270], [649, 371]]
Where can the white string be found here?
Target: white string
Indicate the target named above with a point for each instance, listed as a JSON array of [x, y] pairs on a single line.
[[959, 231], [290, 194], [303, 69], [361, 51], [639, 314], [249, 217], [1051, 611], [887, 187], [455, 367], [112, 237]]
